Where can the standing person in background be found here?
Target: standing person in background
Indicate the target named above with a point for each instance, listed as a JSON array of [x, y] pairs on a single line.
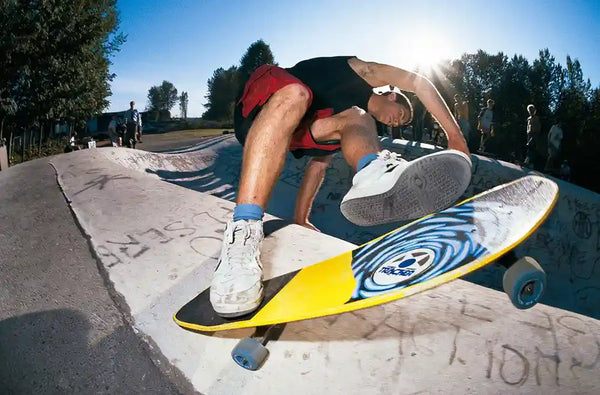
[[534, 129], [461, 113], [112, 131], [565, 171], [486, 124], [134, 124], [419, 119], [555, 137]]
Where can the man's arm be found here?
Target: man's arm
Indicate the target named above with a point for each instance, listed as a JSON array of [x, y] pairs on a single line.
[[313, 178], [377, 74]]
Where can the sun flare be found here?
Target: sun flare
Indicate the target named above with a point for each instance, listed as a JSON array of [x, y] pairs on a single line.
[[427, 49]]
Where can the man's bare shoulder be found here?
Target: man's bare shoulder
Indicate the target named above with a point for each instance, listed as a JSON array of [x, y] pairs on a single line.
[[360, 67]]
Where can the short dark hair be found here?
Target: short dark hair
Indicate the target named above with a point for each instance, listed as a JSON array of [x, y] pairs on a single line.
[[402, 99]]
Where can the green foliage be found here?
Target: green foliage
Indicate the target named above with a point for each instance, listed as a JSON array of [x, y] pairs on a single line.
[[225, 85], [55, 58], [257, 54], [222, 90], [558, 93], [162, 98], [183, 104]]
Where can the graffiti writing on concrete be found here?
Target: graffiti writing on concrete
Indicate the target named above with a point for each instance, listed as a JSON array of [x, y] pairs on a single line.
[[544, 351], [203, 232], [100, 181]]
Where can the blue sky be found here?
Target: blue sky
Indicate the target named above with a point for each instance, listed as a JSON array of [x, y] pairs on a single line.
[[184, 41]]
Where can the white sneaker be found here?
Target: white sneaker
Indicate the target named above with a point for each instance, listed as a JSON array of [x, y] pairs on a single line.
[[391, 189], [236, 287]]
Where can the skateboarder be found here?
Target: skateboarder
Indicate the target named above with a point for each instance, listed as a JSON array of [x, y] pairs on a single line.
[[316, 108]]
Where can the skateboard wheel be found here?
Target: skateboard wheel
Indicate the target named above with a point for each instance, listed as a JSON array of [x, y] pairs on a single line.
[[524, 282], [249, 354]]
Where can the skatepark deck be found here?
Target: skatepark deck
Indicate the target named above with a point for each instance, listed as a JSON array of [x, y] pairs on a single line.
[[157, 244]]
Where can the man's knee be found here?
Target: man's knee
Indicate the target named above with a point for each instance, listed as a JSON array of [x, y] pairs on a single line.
[[296, 94], [357, 117]]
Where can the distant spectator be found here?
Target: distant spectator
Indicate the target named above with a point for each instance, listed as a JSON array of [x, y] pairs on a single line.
[[486, 124], [419, 112], [438, 136], [72, 144], [134, 124], [461, 112], [112, 131], [555, 137], [565, 171], [534, 129]]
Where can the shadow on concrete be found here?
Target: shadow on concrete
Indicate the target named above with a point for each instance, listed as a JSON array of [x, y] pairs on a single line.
[[37, 355]]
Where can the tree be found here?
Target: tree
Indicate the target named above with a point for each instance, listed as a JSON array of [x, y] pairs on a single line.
[[257, 54], [183, 104], [55, 58], [225, 85], [547, 80], [512, 95], [574, 102], [162, 98], [222, 89]]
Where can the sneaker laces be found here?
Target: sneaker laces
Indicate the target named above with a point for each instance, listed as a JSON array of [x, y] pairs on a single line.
[[389, 157], [239, 247]]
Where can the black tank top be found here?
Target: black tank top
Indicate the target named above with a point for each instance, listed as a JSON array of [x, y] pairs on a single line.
[[333, 83]]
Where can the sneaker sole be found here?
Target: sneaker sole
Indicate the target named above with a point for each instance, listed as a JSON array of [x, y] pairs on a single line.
[[230, 311], [427, 185]]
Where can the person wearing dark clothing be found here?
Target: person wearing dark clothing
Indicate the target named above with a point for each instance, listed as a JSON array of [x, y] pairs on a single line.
[[134, 125]]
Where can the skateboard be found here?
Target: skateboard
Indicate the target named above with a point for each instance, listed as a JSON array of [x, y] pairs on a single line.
[[421, 255]]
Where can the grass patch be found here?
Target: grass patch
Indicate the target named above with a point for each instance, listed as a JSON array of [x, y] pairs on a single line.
[[186, 134]]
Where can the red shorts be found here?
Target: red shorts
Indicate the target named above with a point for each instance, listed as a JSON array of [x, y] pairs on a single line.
[[263, 83]]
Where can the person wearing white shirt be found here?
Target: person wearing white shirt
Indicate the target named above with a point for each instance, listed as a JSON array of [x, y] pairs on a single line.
[[112, 131], [555, 137]]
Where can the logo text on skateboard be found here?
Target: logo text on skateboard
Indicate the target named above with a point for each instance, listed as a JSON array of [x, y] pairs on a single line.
[[404, 267]]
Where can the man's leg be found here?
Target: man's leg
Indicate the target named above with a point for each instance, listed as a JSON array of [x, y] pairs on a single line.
[[355, 129], [237, 288], [387, 188], [268, 141], [130, 136]]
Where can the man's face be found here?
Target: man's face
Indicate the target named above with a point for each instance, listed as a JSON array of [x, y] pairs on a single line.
[[392, 113], [132, 105]]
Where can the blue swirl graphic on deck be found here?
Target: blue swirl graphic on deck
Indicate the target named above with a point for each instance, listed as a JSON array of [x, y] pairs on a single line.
[[445, 241]]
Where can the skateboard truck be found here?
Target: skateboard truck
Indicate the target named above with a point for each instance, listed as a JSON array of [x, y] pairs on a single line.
[[251, 352]]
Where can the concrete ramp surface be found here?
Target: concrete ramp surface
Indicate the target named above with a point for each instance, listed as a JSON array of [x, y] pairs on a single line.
[[158, 244], [567, 244]]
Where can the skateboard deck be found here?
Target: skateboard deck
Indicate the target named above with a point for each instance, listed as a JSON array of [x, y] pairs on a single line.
[[418, 256]]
